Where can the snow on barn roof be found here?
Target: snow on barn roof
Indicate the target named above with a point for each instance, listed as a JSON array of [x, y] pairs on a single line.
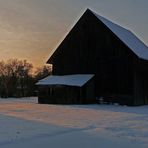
[[127, 37], [69, 80]]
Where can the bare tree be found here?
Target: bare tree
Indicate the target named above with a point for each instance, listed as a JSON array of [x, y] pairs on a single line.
[[4, 79], [14, 75], [43, 72]]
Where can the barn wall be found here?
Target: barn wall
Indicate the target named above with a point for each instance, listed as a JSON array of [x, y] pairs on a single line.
[[141, 83], [88, 92]]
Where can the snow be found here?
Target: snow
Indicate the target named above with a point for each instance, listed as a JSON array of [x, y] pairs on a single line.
[[136, 45], [70, 80], [24, 123]]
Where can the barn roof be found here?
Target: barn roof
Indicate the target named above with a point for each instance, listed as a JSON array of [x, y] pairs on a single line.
[[126, 36], [69, 80]]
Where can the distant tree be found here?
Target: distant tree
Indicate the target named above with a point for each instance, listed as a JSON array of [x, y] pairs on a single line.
[[4, 79], [43, 72], [24, 77], [15, 76]]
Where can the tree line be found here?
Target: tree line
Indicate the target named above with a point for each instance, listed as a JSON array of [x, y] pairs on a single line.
[[17, 78]]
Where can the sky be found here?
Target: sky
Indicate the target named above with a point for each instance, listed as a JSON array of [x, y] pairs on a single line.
[[31, 29]]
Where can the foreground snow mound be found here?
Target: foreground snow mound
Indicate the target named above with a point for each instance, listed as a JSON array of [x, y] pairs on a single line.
[[24, 123]]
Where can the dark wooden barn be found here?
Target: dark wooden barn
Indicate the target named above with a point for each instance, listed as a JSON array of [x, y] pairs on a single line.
[[117, 58], [67, 89]]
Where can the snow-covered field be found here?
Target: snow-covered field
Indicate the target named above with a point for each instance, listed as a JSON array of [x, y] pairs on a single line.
[[24, 123]]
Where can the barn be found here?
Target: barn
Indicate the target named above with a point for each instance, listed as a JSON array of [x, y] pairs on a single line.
[[116, 57]]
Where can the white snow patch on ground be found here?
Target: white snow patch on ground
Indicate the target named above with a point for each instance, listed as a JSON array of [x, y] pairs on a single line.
[[24, 123]]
